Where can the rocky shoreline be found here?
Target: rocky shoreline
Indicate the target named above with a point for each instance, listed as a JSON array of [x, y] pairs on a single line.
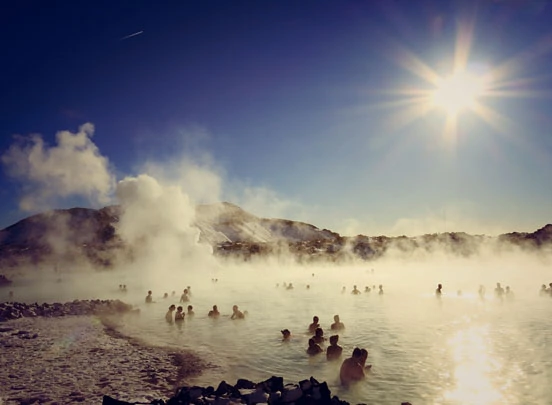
[[272, 392], [72, 353], [16, 310]]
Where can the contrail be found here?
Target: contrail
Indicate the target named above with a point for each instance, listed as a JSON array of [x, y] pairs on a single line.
[[131, 35]]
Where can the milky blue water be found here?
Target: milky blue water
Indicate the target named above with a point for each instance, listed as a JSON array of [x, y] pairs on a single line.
[[459, 349]]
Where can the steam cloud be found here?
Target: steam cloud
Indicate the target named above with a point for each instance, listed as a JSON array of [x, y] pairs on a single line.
[[74, 167]]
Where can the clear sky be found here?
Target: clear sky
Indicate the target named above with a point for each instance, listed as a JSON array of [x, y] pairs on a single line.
[[373, 117]]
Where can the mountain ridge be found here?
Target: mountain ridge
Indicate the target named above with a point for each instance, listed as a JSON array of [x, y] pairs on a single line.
[[70, 234]]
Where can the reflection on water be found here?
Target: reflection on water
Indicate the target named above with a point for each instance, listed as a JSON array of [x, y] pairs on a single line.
[[474, 367], [454, 350]]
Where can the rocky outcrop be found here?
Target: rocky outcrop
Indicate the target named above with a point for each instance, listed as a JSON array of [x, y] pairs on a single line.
[[272, 392], [15, 310]]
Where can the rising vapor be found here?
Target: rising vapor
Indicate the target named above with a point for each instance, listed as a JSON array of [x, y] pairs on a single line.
[[73, 167]]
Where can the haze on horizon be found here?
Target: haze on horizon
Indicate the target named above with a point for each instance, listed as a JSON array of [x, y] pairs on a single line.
[[363, 118]]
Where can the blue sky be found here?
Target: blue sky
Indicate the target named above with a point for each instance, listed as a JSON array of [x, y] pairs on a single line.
[[289, 109]]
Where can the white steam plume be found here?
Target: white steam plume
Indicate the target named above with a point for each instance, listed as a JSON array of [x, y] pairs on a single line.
[[74, 167], [157, 223]]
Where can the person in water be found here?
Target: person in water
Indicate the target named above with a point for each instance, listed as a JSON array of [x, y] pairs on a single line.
[[313, 348], [169, 314], [343, 290], [499, 291], [509, 293], [334, 351], [184, 297], [214, 313], [355, 290], [149, 298], [166, 295], [319, 336], [286, 334], [481, 291], [236, 313], [189, 291], [367, 289], [380, 290], [191, 310], [179, 316], [314, 324], [351, 369], [290, 286], [337, 325], [438, 291]]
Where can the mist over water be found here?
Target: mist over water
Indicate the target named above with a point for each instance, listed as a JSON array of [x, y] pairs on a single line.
[[459, 349]]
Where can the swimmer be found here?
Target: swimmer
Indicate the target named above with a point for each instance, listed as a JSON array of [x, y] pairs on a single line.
[[380, 290], [351, 369], [308, 286], [173, 293], [499, 291], [334, 351], [169, 314], [438, 291], [481, 291], [184, 297], [214, 313], [166, 295], [149, 298], [367, 289], [337, 325], [10, 294], [189, 290], [543, 291], [314, 324], [236, 313], [318, 336], [343, 290], [509, 293], [124, 288], [313, 348], [191, 310], [355, 290], [290, 286], [179, 316], [286, 334]]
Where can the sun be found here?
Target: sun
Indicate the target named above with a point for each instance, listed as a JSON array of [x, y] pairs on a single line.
[[457, 92]]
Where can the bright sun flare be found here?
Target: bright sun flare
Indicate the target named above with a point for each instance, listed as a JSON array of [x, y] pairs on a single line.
[[457, 92]]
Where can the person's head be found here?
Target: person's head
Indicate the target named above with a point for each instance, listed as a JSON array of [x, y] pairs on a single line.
[[354, 287], [507, 288], [235, 308], [185, 291], [165, 295], [149, 292], [336, 318], [315, 319], [334, 339], [179, 309], [319, 332], [190, 308], [286, 333], [215, 308], [498, 284], [311, 342], [381, 286], [357, 353], [172, 307], [363, 355], [439, 286]]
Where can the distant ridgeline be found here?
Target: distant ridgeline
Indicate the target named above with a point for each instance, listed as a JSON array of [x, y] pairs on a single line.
[[77, 234]]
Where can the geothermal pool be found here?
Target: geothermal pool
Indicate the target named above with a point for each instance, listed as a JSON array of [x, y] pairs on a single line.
[[455, 350]]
